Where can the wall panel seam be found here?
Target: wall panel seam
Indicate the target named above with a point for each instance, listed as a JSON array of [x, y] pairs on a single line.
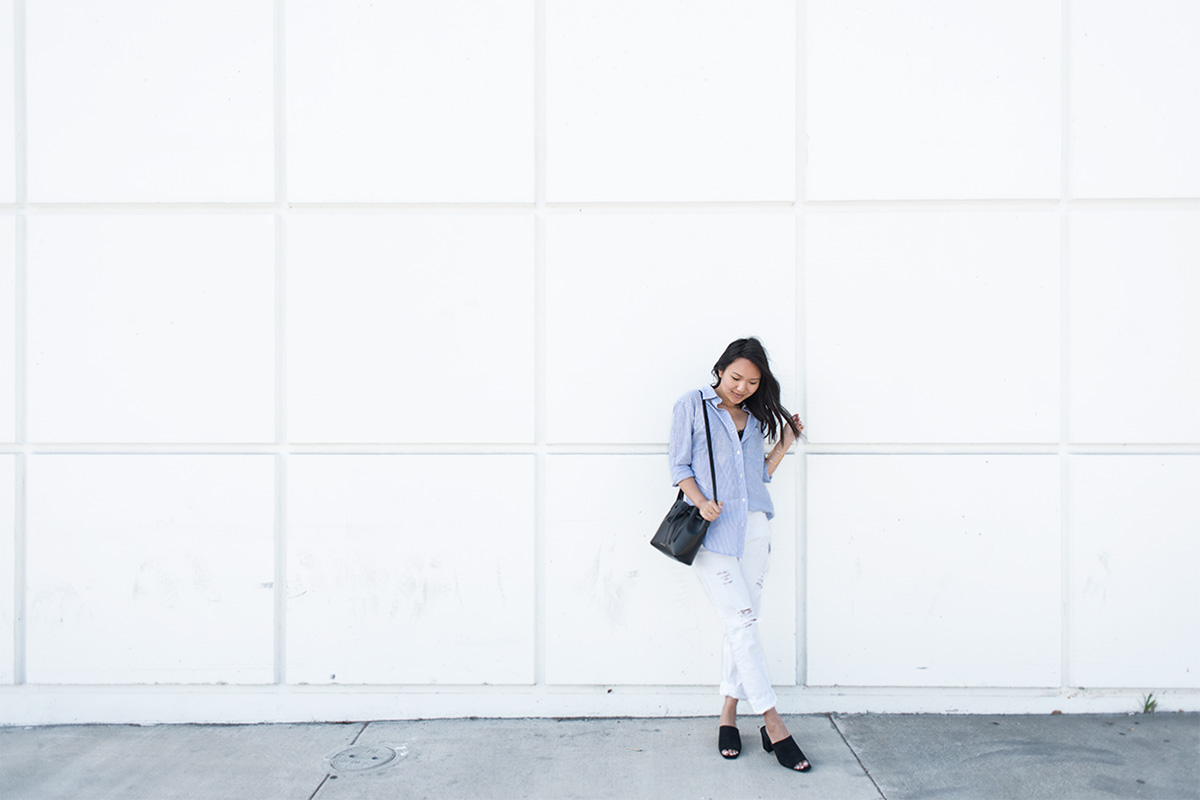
[[588, 449], [982, 204], [21, 354], [540, 555], [641, 207], [1064, 433], [599, 691], [800, 340], [280, 209]]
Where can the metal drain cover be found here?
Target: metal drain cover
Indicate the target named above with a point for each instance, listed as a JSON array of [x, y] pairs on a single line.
[[363, 757]]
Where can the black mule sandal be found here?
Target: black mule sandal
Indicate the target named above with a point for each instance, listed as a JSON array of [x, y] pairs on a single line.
[[786, 751], [729, 738]]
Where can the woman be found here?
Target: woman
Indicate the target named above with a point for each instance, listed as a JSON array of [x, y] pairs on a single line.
[[743, 410]]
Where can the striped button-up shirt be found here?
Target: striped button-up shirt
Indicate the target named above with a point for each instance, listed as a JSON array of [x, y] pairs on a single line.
[[741, 467]]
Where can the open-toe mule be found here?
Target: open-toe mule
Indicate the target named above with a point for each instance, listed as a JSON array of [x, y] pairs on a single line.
[[729, 738], [786, 751]]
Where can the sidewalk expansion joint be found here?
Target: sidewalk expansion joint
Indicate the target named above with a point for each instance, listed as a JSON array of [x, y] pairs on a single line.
[[328, 775], [319, 786], [833, 721]]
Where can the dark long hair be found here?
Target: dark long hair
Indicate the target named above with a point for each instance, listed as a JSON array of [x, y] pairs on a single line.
[[763, 404]]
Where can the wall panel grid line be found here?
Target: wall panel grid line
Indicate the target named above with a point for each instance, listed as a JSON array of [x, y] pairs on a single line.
[[1064, 348], [279, 121], [1008, 204], [584, 207], [824, 448], [20, 423], [541, 449], [799, 461]]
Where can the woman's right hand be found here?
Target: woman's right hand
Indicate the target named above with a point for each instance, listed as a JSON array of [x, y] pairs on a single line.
[[710, 510]]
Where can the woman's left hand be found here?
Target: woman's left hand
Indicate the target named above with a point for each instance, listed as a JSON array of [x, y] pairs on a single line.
[[789, 437]]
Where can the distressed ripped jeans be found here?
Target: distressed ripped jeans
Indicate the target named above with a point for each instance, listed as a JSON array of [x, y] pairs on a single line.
[[735, 587]]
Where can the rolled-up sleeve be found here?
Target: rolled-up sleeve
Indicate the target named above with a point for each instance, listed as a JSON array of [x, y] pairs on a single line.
[[680, 450]]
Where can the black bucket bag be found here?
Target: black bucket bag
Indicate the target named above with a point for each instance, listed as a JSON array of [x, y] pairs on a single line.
[[682, 530]]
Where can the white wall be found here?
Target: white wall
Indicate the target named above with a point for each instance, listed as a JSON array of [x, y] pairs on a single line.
[[343, 338]]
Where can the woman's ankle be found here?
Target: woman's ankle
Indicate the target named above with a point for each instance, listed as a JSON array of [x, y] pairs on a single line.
[[774, 724]]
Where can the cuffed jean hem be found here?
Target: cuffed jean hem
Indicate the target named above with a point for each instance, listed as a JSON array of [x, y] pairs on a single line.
[[735, 587], [764, 704]]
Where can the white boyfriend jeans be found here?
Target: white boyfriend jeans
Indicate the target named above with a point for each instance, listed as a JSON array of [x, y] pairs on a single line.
[[735, 587]]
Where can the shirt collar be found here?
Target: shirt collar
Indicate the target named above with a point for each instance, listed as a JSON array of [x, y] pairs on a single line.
[[710, 395]]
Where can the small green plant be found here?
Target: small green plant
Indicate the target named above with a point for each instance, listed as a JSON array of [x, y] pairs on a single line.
[[1149, 704]]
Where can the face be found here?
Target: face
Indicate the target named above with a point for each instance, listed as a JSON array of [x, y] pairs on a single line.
[[738, 381]]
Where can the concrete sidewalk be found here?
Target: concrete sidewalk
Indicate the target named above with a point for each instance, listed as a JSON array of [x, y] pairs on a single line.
[[855, 756]]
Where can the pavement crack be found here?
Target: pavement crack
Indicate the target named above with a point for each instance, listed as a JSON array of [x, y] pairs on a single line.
[[853, 752]]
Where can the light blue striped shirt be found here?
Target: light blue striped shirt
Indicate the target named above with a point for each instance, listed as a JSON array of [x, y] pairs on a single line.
[[741, 467]]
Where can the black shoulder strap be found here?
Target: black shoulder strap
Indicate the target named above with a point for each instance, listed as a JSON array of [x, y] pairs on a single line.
[[708, 435]]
